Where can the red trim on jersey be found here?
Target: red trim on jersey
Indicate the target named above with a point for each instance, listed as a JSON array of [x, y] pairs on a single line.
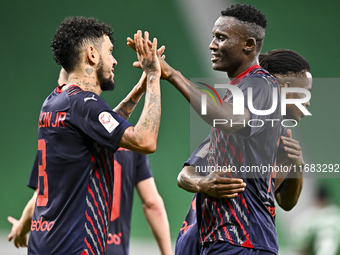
[[239, 77], [236, 218], [224, 227], [59, 88], [88, 246], [103, 192], [247, 244], [243, 201], [108, 182], [95, 230], [97, 206]]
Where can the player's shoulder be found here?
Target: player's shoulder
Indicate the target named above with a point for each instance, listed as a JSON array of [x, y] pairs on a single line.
[[86, 100], [264, 74], [259, 78], [77, 93]]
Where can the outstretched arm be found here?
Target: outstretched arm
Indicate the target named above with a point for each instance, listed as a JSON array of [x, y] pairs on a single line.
[[288, 189], [143, 137], [155, 214], [193, 95], [212, 184], [20, 228]]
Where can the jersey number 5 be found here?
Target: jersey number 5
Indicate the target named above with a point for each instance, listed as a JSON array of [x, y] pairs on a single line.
[[42, 199]]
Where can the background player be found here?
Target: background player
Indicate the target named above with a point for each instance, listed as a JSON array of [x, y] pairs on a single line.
[[291, 70], [78, 134], [317, 229]]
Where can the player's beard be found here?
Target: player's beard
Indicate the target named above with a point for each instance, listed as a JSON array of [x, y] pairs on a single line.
[[105, 83]]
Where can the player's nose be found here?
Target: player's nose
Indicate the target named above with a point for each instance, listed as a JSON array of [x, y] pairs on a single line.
[[213, 45], [114, 62]]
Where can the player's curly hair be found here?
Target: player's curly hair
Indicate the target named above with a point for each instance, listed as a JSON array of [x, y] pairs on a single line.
[[72, 35], [246, 13], [283, 63]]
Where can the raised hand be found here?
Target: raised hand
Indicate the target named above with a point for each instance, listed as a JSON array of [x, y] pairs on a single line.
[[147, 57], [166, 69]]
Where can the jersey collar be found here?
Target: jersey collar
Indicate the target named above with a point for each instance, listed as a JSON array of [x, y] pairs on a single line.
[[239, 77], [59, 88]]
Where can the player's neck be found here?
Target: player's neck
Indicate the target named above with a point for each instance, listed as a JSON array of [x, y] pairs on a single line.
[[242, 68], [87, 82]]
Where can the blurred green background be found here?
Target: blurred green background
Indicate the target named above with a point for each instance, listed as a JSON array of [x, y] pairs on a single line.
[[29, 74]]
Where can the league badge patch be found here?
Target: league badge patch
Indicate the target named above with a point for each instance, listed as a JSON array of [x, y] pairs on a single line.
[[108, 122]]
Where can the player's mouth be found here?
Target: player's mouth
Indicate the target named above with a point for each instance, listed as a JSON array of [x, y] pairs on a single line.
[[112, 72], [215, 57]]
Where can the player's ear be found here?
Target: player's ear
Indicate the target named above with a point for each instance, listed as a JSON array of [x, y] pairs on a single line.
[[286, 84], [250, 44], [92, 55]]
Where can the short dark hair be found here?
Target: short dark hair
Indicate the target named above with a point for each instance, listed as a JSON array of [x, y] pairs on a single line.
[[72, 34], [283, 62], [246, 13], [253, 20]]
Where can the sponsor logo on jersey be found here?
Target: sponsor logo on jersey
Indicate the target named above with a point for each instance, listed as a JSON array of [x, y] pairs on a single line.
[[108, 122], [114, 238], [40, 225], [272, 210], [90, 98], [185, 227]]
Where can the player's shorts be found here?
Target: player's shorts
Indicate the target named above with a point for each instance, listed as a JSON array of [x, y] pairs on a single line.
[[225, 248]]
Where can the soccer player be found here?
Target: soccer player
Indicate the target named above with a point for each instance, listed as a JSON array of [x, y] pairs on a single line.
[[291, 70], [241, 225], [78, 134], [131, 170]]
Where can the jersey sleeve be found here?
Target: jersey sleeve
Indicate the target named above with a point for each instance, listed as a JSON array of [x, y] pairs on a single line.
[[261, 99], [143, 167], [93, 116], [199, 156], [33, 179]]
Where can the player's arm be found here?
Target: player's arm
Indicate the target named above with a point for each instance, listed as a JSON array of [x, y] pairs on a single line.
[[143, 137], [155, 214], [20, 228], [128, 104], [193, 95], [288, 188], [213, 184]]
